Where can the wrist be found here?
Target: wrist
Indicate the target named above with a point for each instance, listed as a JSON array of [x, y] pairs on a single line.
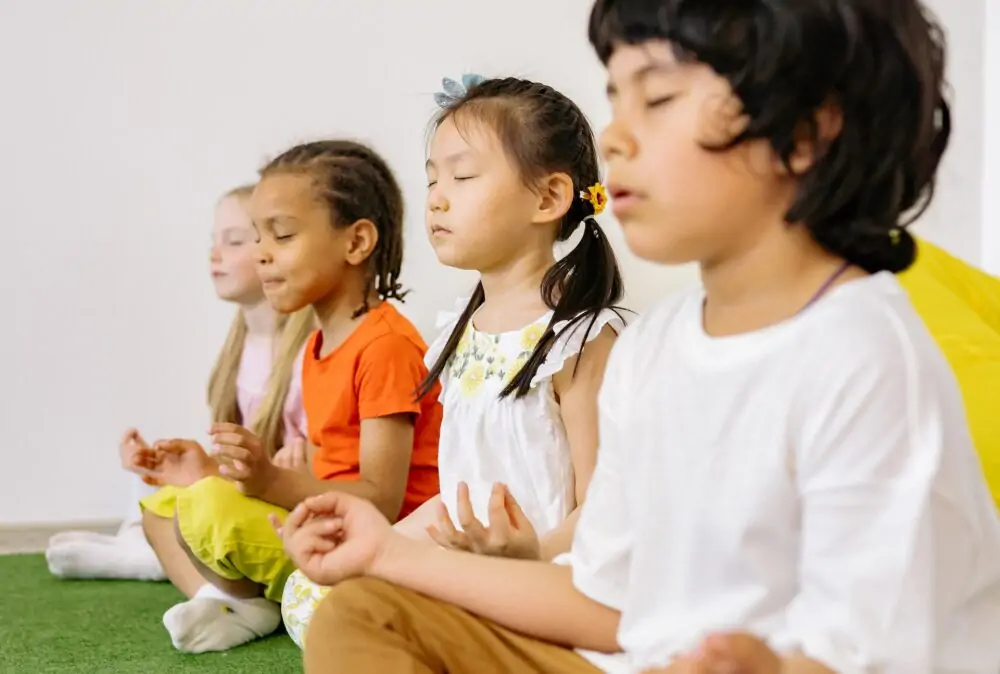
[[396, 549], [269, 478]]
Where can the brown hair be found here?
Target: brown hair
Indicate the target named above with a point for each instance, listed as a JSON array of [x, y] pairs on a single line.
[[542, 131], [356, 184]]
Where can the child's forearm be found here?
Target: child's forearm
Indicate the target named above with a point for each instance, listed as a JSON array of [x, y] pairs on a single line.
[[559, 540], [290, 487], [415, 524], [534, 598]]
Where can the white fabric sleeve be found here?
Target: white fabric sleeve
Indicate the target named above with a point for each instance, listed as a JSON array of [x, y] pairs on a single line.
[[865, 470], [570, 340], [602, 544]]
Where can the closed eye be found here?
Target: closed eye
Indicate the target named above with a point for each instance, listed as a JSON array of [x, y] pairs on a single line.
[[461, 178], [657, 102]]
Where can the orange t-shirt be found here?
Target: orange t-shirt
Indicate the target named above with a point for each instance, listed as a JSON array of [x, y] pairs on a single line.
[[374, 373]]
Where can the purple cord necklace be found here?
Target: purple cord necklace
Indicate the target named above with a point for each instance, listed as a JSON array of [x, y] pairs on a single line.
[[826, 286]]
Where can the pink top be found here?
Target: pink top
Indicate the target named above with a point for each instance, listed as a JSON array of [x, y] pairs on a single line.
[[251, 385]]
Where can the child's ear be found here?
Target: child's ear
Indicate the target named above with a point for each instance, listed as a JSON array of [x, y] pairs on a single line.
[[811, 143], [555, 197], [363, 237]]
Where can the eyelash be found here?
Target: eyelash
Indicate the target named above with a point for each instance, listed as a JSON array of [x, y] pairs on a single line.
[[657, 102], [457, 179], [284, 237]]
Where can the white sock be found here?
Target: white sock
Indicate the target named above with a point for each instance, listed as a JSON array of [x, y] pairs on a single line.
[[64, 537], [214, 620], [127, 557]]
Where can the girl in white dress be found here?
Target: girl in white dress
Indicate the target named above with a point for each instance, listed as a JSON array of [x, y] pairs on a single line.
[[512, 170]]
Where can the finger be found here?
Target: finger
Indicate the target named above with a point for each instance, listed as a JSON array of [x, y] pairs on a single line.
[[236, 440], [514, 512], [319, 535], [276, 524], [466, 516], [237, 471], [499, 520], [138, 439], [298, 454], [233, 453], [150, 480], [298, 517], [445, 525], [173, 445], [330, 503], [280, 459], [457, 541], [225, 427]]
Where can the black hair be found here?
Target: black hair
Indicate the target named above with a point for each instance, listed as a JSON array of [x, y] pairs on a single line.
[[355, 183], [880, 63], [542, 131]]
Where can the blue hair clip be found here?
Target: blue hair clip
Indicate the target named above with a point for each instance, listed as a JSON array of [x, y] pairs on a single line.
[[455, 91]]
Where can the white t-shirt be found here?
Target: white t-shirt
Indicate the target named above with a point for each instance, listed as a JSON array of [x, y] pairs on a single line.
[[813, 483], [520, 442]]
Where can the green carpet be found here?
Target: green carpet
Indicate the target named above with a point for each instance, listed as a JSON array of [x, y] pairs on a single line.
[[98, 627]]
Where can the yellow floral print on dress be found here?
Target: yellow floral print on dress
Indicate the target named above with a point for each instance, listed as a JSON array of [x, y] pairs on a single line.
[[480, 357]]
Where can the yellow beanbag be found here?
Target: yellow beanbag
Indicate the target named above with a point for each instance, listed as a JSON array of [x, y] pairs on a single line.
[[961, 307]]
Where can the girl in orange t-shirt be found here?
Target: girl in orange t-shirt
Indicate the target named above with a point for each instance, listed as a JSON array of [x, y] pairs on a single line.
[[329, 220]]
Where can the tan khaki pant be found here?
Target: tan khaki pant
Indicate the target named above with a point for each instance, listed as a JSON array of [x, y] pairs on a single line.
[[368, 626]]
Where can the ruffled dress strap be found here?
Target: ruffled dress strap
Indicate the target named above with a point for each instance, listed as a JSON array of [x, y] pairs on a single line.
[[571, 335]]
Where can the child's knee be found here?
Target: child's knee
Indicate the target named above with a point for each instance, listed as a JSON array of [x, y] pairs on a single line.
[[360, 597]]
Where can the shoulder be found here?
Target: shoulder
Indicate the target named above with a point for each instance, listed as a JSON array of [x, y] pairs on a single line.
[[584, 334], [390, 332], [643, 338], [870, 325]]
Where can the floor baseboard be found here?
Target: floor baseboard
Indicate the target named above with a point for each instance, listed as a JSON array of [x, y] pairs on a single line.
[[29, 538]]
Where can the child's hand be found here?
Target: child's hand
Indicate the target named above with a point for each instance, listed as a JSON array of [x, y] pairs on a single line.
[[179, 463], [130, 444], [242, 458], [334, 536], [293, 456], [509, 533]]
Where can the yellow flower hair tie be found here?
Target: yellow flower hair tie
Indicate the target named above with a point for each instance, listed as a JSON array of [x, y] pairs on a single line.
[[596, 196]]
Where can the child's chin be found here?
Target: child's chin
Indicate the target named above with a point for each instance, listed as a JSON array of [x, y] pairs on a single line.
[[283, 304]]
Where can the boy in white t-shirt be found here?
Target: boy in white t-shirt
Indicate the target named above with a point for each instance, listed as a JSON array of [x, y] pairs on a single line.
[[785, 481]]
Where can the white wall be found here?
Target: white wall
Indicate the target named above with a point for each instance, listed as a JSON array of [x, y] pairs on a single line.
[[122, 121], [991, 139]]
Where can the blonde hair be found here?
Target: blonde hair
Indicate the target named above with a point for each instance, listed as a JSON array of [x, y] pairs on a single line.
[[268, 423], [292, 331]]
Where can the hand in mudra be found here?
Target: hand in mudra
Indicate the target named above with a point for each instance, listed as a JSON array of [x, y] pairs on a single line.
[[177, 463], [508, 532], [334, 536]]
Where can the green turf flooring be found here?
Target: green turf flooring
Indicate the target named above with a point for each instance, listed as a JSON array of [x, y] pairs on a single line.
[[98, 627]]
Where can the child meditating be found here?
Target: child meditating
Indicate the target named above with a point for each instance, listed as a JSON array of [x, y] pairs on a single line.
[[785, 482], [512, 170], [329, 221], [255, 382]]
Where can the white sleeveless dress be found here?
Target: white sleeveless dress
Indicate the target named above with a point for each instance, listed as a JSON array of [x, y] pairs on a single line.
[[520, 442]]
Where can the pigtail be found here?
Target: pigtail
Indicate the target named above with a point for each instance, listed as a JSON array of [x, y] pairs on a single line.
[[436, 370], [578, 288]]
